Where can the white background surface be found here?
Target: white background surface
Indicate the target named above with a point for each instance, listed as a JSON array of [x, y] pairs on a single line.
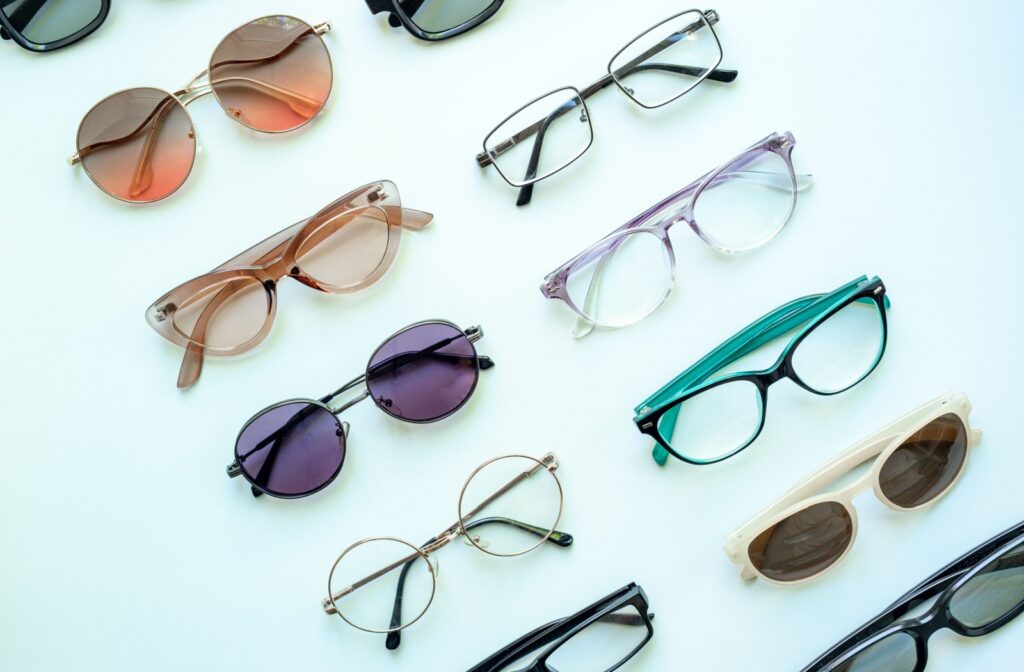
[[124, 546]]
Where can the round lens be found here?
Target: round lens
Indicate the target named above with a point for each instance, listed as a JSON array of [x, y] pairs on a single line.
[[273, 74], [926, 464], [137, 145], [423, 373], [996, 591], [381, 585], [292, 449], [224, 315], [510, 505], [624, 280], [346, 247], [895, 653], [48, 21], [841, 351], [803, 544], [747, 202], [714, 423]]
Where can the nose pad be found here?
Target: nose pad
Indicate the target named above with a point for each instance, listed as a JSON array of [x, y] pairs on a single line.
[[297, 273], [435, 565], [236, 114], [475, 540]]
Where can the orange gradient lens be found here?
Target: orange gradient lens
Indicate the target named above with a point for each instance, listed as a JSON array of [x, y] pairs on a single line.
[[273, 74], [137, 145]]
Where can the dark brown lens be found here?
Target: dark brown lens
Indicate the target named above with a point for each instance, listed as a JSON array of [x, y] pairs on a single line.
[[803, 544], [926, 463]]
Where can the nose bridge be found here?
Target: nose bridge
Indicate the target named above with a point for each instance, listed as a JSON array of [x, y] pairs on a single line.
[[774, 375]]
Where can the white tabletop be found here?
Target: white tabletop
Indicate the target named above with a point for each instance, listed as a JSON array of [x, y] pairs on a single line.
[[125, 545]]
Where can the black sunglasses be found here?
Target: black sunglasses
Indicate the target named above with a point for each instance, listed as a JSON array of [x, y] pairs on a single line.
[[435, 20], [978, 593], [48, 25], [601, 638]]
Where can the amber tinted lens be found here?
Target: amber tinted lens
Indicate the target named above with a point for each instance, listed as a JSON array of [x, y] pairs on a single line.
[[926, 463], [224, 315], [804, 544], [137, 145], [347, 248], [273, 74]]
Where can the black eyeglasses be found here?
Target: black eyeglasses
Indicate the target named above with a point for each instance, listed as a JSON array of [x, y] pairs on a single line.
[[46, 25], [599, 638], [435, 20], [658, 66], [978, 593]]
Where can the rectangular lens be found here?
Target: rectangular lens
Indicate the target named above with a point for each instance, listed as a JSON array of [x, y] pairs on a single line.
[[437, 16], [541, 138], [994, 592], [604, 644], [668, 60], [51, 20]]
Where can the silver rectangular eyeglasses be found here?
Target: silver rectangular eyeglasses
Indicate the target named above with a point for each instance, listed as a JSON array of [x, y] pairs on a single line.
[[658, 66]]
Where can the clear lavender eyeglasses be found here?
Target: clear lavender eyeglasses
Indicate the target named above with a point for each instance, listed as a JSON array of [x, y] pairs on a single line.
[[661, 64], [628, 274]]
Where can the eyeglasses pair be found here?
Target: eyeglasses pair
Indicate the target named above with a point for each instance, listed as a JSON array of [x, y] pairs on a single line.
[[508, 506], [599, 638], [701, 418], [272, 75], [47, 25], [658, 66], [347, 246], [628, 274], [435, 20], [423, 373], [975, 595], [915, 461]]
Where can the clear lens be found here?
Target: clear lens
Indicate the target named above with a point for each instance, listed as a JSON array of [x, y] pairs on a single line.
[[50, 20], [895, 653], [624, 279], [803, 544], [367, 600], [510, 505], [437, 16], [347, 247], [994, 592], [714, 423], [747, 202], [926, 464], [224, 315], [542, 138], [843, 349], [602, 645], [668, 60]]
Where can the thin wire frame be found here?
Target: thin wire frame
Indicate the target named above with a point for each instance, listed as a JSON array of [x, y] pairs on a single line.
[[489, 155], [549, 464], [878, 446]]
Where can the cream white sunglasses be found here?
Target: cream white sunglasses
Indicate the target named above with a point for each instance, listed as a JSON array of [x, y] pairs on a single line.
[[917, 459]]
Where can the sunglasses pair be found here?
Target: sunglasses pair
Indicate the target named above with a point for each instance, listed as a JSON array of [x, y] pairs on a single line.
[[346, 247], [916, 460], [598, 638], [839, 339], [658, 66], [508, 506], [47, 25], [434, 20], [974, 595], [423, 373], [272, 75], [629, 273]]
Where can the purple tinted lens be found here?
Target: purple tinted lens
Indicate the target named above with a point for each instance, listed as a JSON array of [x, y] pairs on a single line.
[[291, 450], [423, 373]]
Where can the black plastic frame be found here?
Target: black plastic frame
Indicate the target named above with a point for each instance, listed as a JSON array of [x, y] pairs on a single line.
[[944, 583], [555, 634], [9, 32], [482, 364], [402, 16], [765, 378]]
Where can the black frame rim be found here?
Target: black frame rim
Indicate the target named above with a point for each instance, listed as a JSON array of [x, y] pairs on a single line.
[[81, 34]]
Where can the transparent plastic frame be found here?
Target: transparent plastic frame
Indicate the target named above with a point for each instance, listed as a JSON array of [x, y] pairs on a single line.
[[878, 446]]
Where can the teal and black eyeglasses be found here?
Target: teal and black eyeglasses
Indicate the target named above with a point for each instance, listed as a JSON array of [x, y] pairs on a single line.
[[703, 415]]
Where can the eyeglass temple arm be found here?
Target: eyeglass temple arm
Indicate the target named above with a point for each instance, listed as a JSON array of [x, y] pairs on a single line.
[[23, 14], [563, 539]]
